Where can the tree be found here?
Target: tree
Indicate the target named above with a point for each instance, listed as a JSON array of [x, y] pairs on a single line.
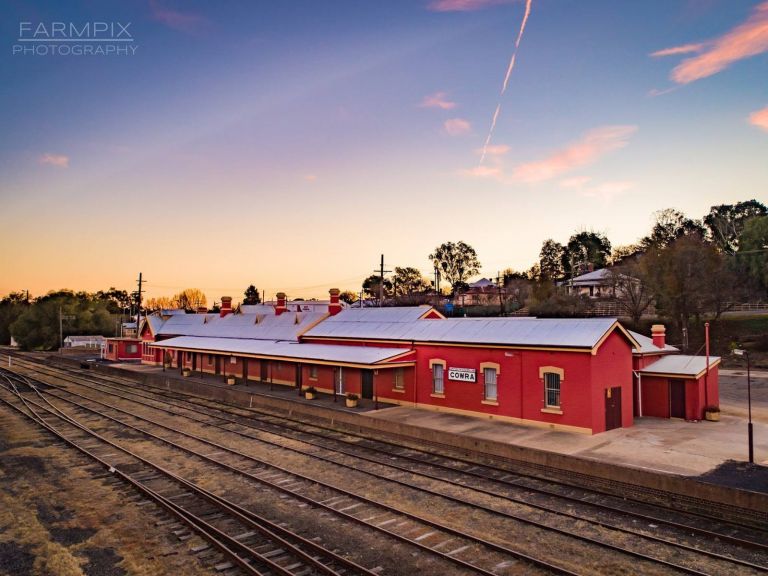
[[670, 225], [585, 248], [551, 258], [252, 296], [752, 254], [38, 326], [117, 300], [725, 223], [622, 254], [688, 277], [456, 261], [11, 307], [189, 299], [348, 296], [632, 292], [158, 303], [372, 283], [408, 281]]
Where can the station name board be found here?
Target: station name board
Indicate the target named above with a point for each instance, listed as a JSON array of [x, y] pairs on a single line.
[[462, 374]]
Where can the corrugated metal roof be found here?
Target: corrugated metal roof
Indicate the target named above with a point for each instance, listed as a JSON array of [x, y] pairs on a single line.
[[680, 365], [320, 352], [596, 276], [287, 326], [572, 333], [257, 309], [386, 314], [647, 346]]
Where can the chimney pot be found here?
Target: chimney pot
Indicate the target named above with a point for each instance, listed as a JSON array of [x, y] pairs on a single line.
[[226, 306], [334, 306], [281, 305], [658, 335]]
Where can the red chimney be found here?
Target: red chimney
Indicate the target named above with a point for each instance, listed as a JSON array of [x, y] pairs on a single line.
[[202, 310], [334, 307], [226, 306], [281, 307], [658, 333]]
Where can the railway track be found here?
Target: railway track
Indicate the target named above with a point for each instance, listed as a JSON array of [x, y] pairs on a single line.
[[249, 543], [728, 563]]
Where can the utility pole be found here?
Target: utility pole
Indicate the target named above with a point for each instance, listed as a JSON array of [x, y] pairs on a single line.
[[437, 286], [501, 302], [138, 304], [381, 272]]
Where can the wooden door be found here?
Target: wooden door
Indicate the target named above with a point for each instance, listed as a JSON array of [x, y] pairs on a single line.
[[613, 408], [366, 390], [676, 398], [264, 370]]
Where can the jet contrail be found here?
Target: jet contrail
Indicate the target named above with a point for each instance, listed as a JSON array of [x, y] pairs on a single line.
[[506, 78]]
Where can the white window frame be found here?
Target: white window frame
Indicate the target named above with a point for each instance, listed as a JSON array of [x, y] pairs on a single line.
[[438, 379], [552, 386], [490, 385], [398, 378], [339, 383]]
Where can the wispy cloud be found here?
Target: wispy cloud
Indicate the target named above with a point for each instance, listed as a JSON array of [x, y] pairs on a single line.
[[745, 40], [577, 182], [759, 118], [58, 160], [463, 5], [182, 21], [510, 67], [495, 150], [310, 177], [457, 126], [592, 146], [607, 191], [438, 100], [684, 49]]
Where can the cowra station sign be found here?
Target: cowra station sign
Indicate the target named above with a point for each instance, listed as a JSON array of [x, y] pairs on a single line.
[[462, 374]]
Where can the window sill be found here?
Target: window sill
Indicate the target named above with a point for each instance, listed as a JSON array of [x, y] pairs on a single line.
[[490, 402], [551, 411], [398, 390], [437, 395]]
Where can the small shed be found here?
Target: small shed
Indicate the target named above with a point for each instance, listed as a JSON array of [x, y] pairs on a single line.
[[678, 386], [119, 349]]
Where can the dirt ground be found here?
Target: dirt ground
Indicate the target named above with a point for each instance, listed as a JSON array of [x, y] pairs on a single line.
[[56, 519]]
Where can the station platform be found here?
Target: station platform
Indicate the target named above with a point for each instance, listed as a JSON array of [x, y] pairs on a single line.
[[654, 444]]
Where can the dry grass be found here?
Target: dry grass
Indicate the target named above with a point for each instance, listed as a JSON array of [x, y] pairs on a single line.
[[36, 477]]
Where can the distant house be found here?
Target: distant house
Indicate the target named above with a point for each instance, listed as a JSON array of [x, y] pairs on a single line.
[[595, 284], [95, 342], [484, 292]]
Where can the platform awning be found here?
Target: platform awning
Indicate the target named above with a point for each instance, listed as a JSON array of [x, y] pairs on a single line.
[[355, 356]]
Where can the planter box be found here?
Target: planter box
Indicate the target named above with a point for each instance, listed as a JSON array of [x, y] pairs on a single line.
[[186, 373], [351, 403], [230, 380], [712, 416], [309, 395]]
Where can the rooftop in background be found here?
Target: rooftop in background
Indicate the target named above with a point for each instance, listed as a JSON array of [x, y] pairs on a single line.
[[647, 346], [679, 365], [404, 324], [287, 326], [361, 355]]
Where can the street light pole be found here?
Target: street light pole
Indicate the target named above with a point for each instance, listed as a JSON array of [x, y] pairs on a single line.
[[740, 352]]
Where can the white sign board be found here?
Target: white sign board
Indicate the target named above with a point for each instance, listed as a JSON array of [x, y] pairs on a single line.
[[462, 374]]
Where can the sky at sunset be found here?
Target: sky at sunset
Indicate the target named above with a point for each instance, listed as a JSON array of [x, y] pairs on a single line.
[[288, 144]]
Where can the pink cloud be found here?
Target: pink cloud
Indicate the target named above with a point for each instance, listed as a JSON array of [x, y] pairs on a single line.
[[59, 160], [684, 49], [457, 126], [577, 182], [483, 172], [607, 191], [182, 21], [463, 5], [310, 177], [438, 100], [747, 39], [592, 146], [759, 118]]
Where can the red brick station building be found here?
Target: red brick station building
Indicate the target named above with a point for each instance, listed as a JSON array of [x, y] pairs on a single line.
[[582, 375]]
